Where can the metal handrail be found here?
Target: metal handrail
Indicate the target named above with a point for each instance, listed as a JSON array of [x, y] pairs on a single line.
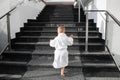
[[11, 10], [113, 17], [4, 48], [8, 27], [8, 12], [107, 14], [43, 1], [82, 4]]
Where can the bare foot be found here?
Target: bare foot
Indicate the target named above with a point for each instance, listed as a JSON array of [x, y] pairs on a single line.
[[62, 75], [62, 72]]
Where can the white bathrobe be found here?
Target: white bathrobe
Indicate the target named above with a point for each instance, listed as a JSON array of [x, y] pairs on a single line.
[[61, 42]]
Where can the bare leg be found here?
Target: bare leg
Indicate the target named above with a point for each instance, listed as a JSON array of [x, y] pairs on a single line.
[[62, 72]]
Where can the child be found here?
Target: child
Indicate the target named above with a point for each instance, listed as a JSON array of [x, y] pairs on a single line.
[[61, 54]]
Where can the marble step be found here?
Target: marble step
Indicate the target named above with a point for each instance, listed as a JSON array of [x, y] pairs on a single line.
[[52, 74]]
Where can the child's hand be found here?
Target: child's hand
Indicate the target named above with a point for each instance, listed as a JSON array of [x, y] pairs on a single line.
[[72, 36]]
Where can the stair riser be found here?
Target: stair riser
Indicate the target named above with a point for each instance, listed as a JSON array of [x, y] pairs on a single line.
[[96, 59], [61, 10], [37, 40], [57, 19], [92, 40], [101, 72], [62, 15], [55, 28], [55, 24], [54, 16], [12, 69], [39, 47], [63, 24], [47, 47], [16, 57], [75, 34], [51, 58], [46, 28], [82, 56], [68, 20], [48, 16], [54, 34], [58, 13], [52, 12], [45, 16]]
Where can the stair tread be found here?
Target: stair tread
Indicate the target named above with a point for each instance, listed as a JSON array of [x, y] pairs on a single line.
[[103, 78], [44, 61], [51, 52], [99, 65], [9, 76], [56, 31], [71, 52], [52, 74], [47, 43], [13, 51], [59, 22], [96, 53], [13, 62], [48, 62], [65, 26], [55, 36], [44, 52]]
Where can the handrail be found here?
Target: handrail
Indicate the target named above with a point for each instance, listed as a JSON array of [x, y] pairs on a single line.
[[11, 10], [4, 48], [113, 17], [43, 1], [82, 5], [8, 26], [107, 12], [87, 22], [8, 12], [112, 56]]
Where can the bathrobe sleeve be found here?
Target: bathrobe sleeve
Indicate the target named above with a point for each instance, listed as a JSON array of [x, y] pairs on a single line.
[[52, 43], [70, 41]]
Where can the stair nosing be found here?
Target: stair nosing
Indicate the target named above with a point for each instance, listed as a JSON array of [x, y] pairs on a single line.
[[47, 43], [13, 62], [7, 76], [55, 36]]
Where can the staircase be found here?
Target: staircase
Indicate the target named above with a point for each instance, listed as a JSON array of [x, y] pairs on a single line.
[[31, 56]]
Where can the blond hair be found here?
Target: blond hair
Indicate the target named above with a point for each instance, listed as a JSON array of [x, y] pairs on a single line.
[[61, 29]]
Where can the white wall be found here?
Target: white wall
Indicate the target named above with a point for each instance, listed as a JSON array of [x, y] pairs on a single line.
[[28, 10], [99, 17], [13, 3], [114, 29], [4, 8], [113, 35]]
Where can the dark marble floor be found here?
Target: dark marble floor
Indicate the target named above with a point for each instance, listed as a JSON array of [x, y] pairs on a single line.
[[52, 74]]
